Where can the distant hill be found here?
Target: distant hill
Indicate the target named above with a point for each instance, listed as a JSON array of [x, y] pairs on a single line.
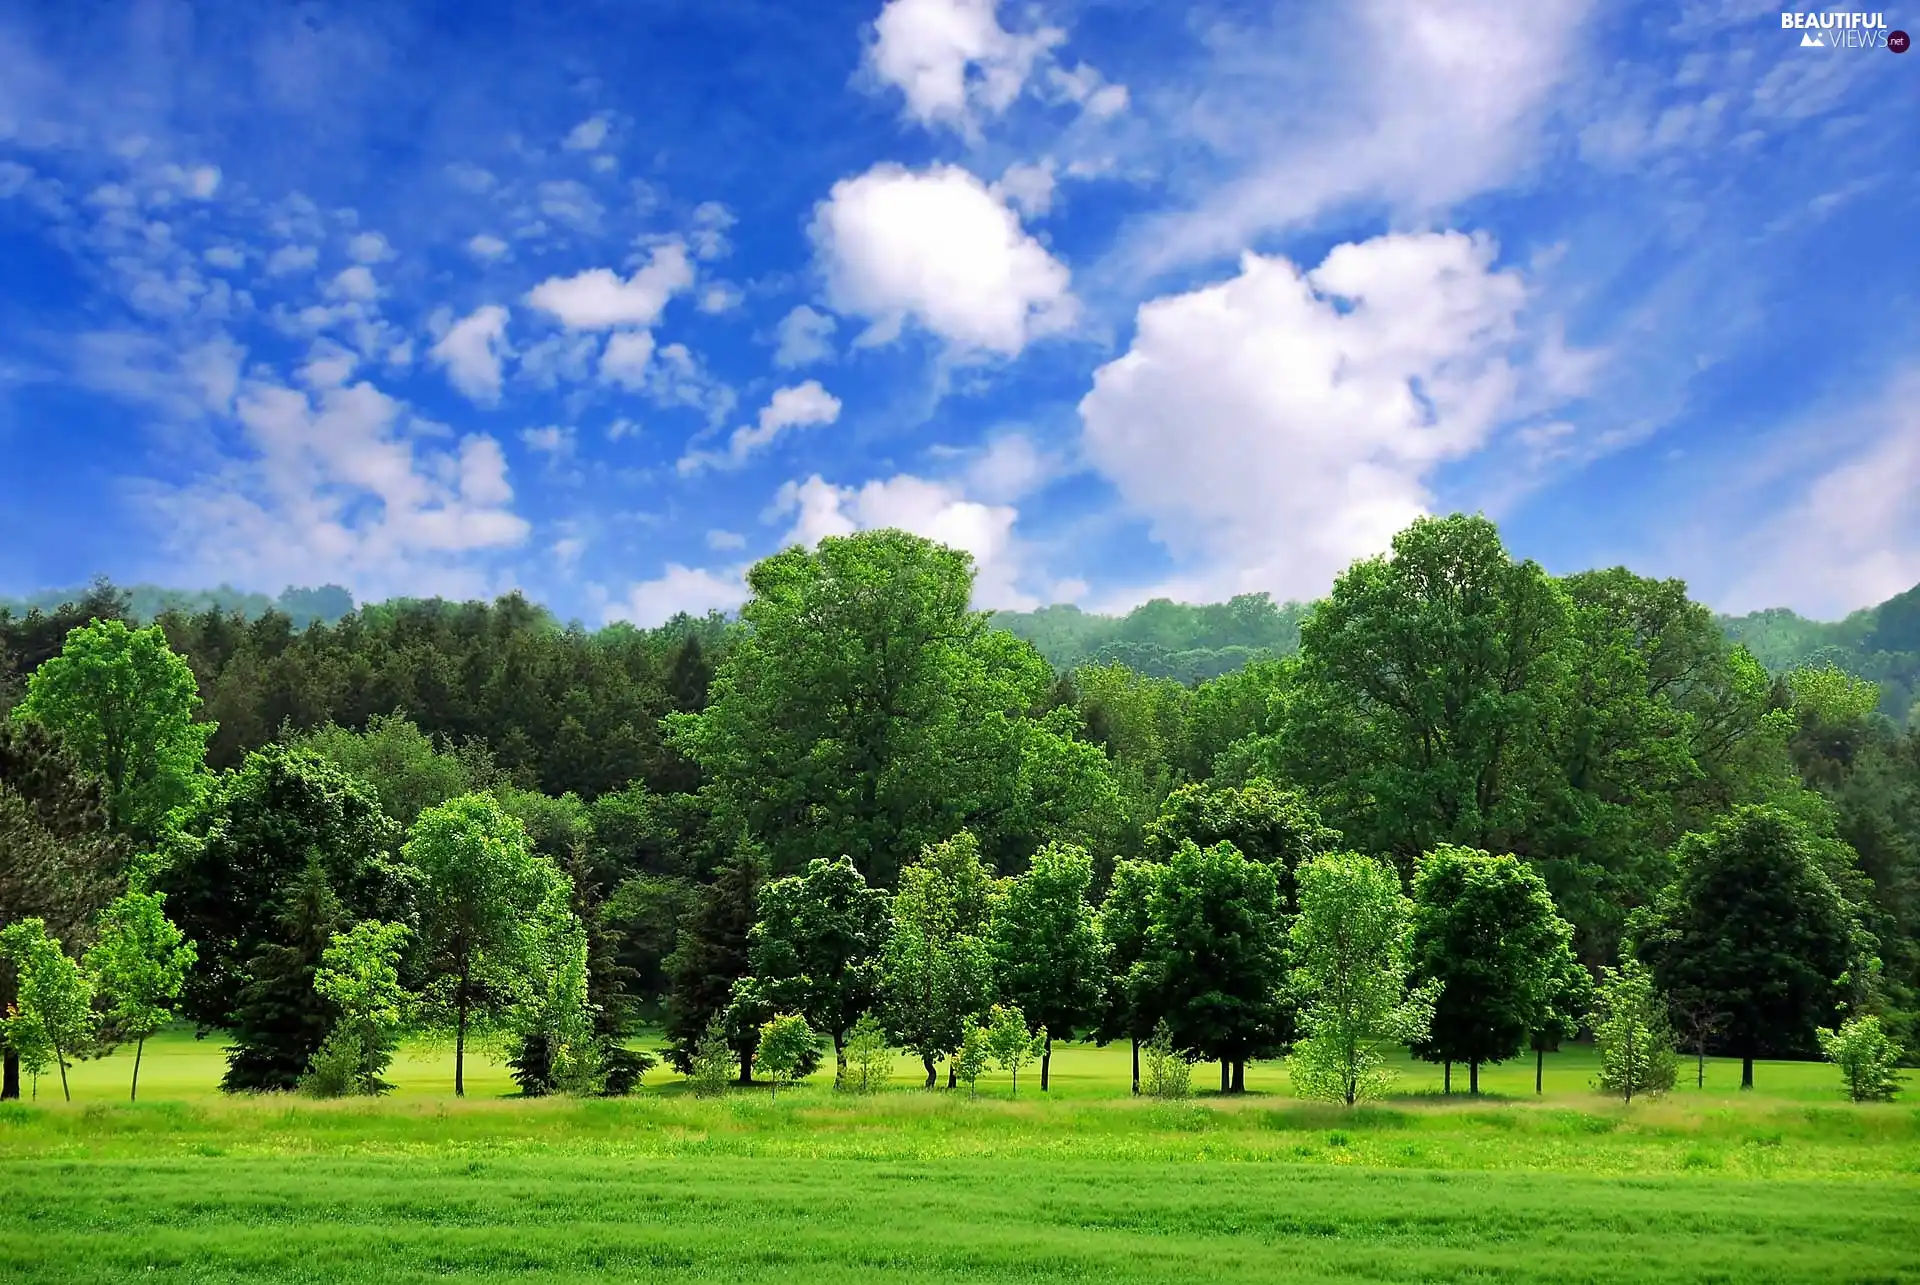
[[1881, 643], [1164, 639], [325, 604]]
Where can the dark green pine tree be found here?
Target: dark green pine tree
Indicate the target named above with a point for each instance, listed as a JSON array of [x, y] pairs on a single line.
[[712, 955], [279, 1023]]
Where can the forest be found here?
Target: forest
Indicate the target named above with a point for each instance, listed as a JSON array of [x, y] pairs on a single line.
[[1459, 806]]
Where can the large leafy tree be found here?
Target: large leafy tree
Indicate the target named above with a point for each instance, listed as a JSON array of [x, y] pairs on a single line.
[[1215, 957], [285, 826], [1753, 925], [58, 862], [482, 889], [937, 967], [1350, 948], [124, 704], [1431, 684], [712, 954], [1265, 822], [1486, 931], [54, 1004], [865, 710], [816, 949], [1047, 952]]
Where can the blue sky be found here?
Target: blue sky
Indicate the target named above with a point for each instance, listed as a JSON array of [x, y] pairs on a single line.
[[1128, 299]]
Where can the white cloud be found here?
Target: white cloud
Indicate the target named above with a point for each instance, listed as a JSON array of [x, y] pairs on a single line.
[[567, 550], [1009, 468], [721, 296], [1413, 103], [551, 440], [681, 589], [725, 541], [801, 406], [472, 350], [486, 248], [289, 259], [335, 486], [628, 355], [1027, 187], [1850, 538], [354, 283], [598, 299], [708, 235], [587, 135], [225, 256], [571, 203], [328, 365], [1280, 423], [935, 510], [953, 60], [941, 248], [805, 336], [369, 247], [182, 385]]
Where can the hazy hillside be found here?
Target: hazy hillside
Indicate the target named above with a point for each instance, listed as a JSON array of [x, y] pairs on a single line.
[[1164, 639], [326, 604]]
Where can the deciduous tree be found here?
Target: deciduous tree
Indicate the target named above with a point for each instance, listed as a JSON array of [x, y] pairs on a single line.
[[815, 950], [55, 998], [937, 967], [1047, 952], [139, 962]]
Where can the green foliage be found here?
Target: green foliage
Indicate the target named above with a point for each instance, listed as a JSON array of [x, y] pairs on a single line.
[[937, 967], [1214, 958], [867, 699], [1630, 1030], [1267, 823], [1164, 639], [712, 957], [816, 948], [1045, 941], [53, 1007], [710, 1069], [284, 824], [1430, 682], [549, 1011], [1866, 1057], [139, 962], [1169, 1073], [1010, 1041], [124, 705], [406, 770], [1486, 934], [483, 890], [785, 1046], [359, 975], [868, 1064], [974, 1057], [1753, 925], [1350, 947]]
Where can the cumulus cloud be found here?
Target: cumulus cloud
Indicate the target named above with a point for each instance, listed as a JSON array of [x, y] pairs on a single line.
[[800, 406], [289, 259], [725, 541], [369, 247], [1027, 187], [355, 283], [1284, 422], [936, 510], [587, 135], [472, 350], [952, 60], [708, 235], [626, 359], [599, 298], [804, 336], [941, 248], [551, 440], [486, 248], [335, 485], [681, 589]]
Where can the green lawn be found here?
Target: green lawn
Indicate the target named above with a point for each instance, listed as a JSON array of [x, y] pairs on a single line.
[[1789, 1183]]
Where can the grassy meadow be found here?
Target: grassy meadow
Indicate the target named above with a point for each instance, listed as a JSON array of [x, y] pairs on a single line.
[[1788, 1183]]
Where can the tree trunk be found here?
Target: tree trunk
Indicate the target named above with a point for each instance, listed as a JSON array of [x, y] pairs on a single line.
[[10, 1079], [746, 1066], [928, 1063], [953, 1076], [1046, 1061], [460, 1048], [839, 1058], [133, 1095], [1136, 1071], [1746, 1071], [1225, 1076], [1473, 1079], [1446, 1081], [1700, 1068], [1539, 1069], [1240, 1075], [61, 1057]]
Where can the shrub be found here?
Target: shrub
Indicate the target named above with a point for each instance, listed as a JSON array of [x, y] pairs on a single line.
[[337, 1068], [1866, 1056], [869, 1057], [1169, 1074], [713, 1060]]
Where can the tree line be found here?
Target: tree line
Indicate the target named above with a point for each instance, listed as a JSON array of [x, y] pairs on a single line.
[[1556, 804]]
